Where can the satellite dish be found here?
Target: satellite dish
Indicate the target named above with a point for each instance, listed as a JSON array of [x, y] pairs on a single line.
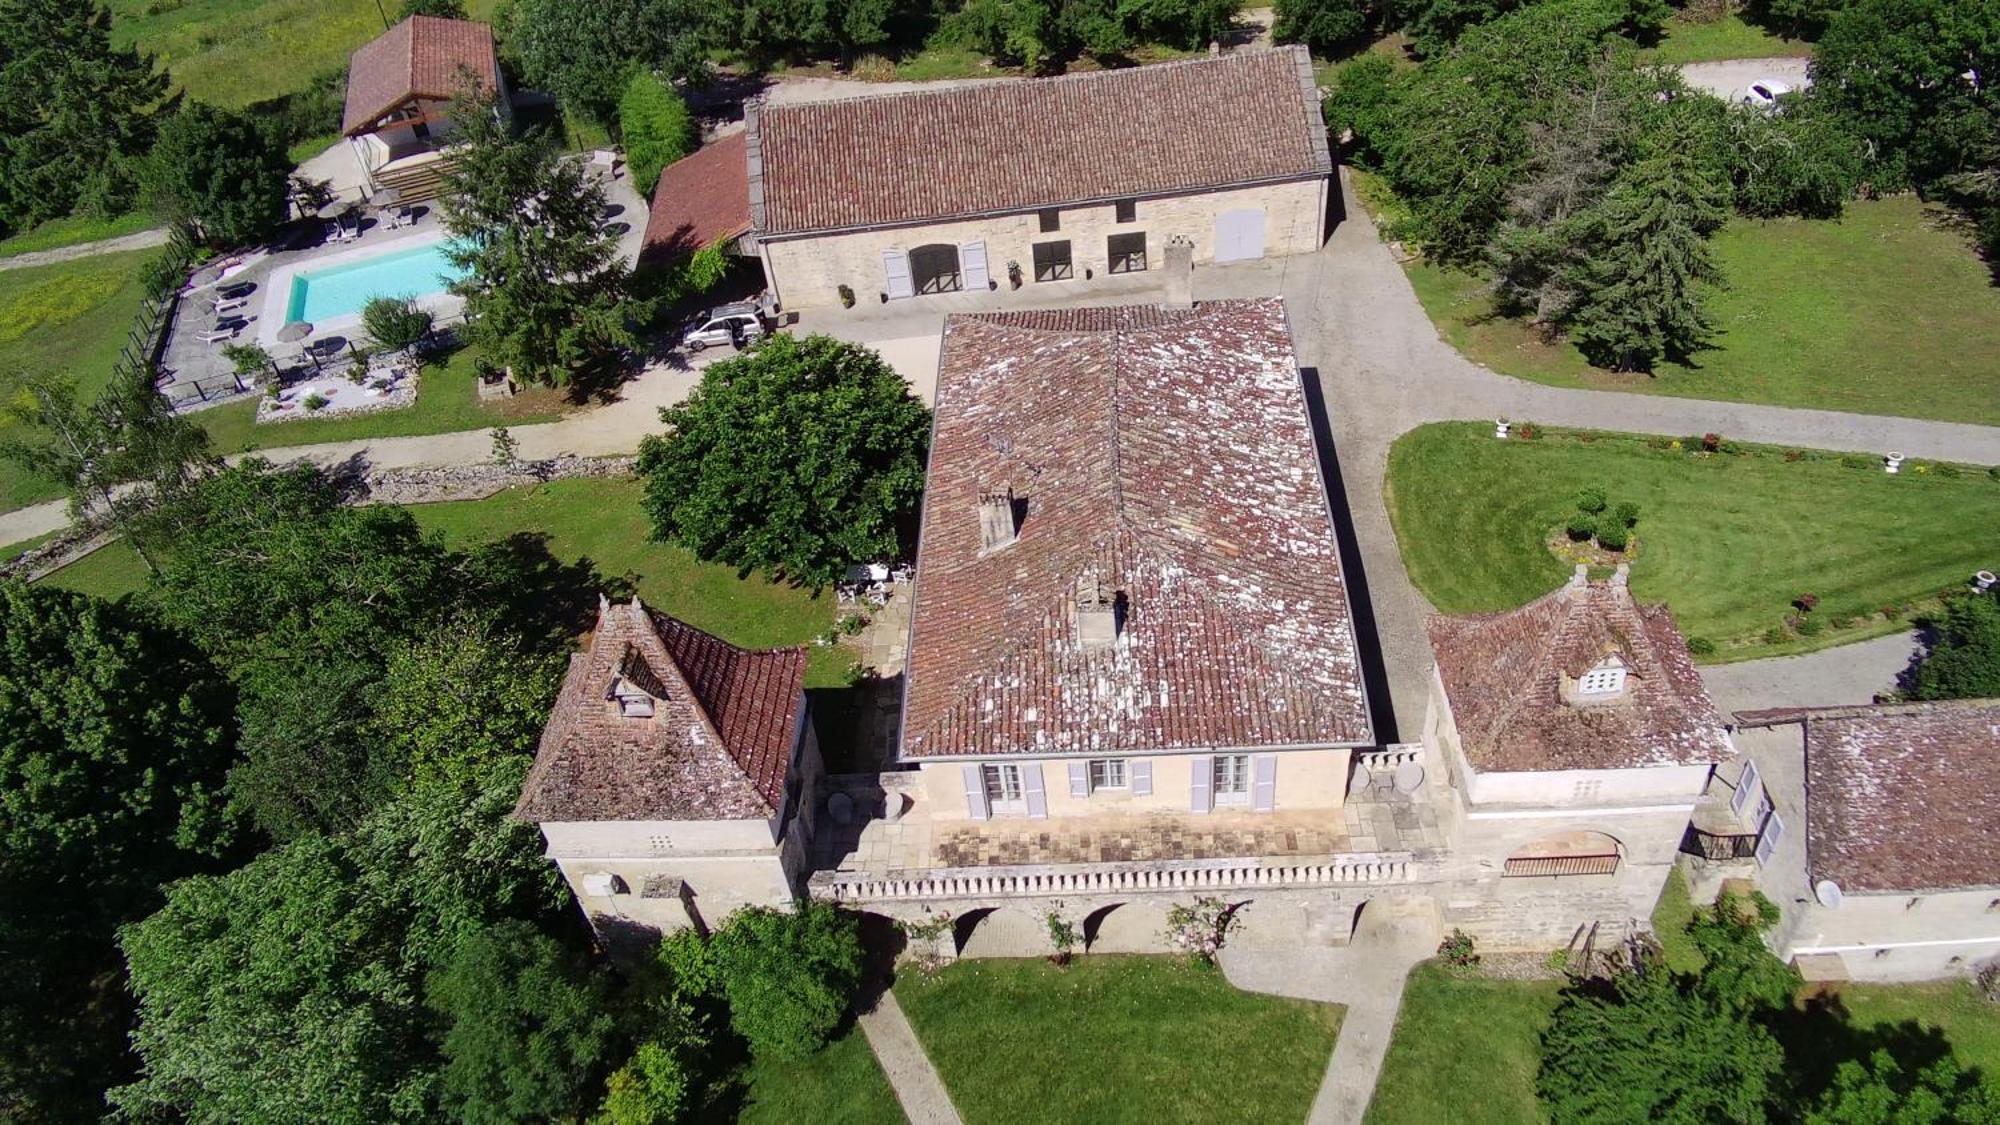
[[1828, 893]]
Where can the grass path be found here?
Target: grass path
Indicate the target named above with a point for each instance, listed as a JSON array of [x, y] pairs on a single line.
[[841, 1083], [1886, 311], [1727, 541], [1731, 37], [1145, 1040]]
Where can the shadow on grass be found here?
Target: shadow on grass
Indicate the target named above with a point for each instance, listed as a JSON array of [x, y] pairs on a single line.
[[1820, 1034]]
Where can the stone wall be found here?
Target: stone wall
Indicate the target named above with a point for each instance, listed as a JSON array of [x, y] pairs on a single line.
[[1306, 779], [807, 272]]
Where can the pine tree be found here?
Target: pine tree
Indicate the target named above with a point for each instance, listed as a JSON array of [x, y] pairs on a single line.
[[656, 126], [1650, 258], [548, 293]]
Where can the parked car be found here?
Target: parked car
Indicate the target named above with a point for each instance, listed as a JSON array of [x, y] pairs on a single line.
[[736, 324], [1764, 93]]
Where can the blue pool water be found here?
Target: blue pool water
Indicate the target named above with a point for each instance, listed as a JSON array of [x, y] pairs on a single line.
[[321, 295]]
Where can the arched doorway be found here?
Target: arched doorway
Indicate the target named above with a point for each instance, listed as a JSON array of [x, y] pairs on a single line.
[[934, 268]]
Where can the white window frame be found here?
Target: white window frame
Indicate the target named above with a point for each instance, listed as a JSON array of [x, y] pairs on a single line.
[[1109, 773], [1768, 836], [1231, 778], [1000, 780], [1601, 681]]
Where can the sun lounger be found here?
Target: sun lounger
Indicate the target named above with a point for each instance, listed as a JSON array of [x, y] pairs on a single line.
[[216, 335], [230, 305]]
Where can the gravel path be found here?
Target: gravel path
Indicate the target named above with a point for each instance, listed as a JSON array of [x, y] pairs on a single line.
[[1728, 79], [139, 241], [1832, 677]]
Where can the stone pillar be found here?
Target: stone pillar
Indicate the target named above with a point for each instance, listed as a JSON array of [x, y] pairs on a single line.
[[1179, 273]]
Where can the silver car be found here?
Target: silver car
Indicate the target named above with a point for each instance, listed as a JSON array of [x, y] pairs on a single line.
[[736, 324]]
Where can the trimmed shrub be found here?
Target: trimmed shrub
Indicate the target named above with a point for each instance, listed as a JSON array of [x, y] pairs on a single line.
[[1612, 536], [1626, 513], [1457, 950], [396, 322], [1810, 626], [1581, 528], [1701, 646], [1590, 500]]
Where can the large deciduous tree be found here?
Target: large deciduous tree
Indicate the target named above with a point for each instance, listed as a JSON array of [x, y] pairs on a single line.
[[114, 735], [803, 456], [583, 53], [221, 174], [1882, 1091], [1963, 660], [548, 292], [656, 126]]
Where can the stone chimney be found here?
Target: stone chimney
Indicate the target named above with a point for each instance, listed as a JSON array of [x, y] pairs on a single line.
[[1097, 616], [1179, 273], [997, 527]]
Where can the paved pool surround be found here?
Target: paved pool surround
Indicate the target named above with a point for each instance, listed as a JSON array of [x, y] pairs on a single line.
[[329, 290]]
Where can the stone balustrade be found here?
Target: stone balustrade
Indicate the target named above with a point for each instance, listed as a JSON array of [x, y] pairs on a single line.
[[1385, 760], [1164, 876]]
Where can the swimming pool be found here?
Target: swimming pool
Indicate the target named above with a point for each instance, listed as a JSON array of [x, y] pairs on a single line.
[[336, 291]]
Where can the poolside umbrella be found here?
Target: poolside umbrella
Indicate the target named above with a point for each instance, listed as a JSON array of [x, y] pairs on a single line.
[[296, 330], [384, 197]]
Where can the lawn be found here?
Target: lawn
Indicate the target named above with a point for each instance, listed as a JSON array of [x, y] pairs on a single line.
[[1686, 41], [68, 318], [234, 52], [840, 1085], [1886, 311], [597, 522], [1116, 1039], [1956, 1008], [1727, 540], [446, 402], [58, 233], [1465, 1049], [600, 521]]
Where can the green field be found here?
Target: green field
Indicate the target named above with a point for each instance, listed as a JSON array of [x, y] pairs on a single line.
[[1147, 1040], [234, 52], [69, 318], [1686, 41], [447, 402], [840, 1085], [58, 233], [1726, 540], [1465, 1049], [1886, 311], [111, 571]]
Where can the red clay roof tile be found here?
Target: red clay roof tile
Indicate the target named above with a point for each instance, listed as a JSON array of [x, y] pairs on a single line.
[[700, 199], [418, 58]]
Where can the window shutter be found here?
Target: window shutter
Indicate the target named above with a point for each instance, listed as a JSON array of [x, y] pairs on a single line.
[[1031, 788], [1264, 783], [1767, 842], [975, 792], [1745, 786], [896, 272], [1142, 777], [1079, 779], [972, 261], [1201, 787]]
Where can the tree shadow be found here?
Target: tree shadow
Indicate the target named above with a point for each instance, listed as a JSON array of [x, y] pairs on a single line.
[[539, 597], [1821, 1034]]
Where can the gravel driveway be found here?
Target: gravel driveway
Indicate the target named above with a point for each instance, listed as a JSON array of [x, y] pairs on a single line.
[[1729, 79]]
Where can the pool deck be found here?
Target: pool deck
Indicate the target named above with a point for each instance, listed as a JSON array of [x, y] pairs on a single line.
[[194, 371]]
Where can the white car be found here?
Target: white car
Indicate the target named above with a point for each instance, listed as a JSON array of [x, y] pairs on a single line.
[[736, 324], [1764, 93]]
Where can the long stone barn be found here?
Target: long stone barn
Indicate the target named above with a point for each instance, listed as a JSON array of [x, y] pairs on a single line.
[[1062, 183]]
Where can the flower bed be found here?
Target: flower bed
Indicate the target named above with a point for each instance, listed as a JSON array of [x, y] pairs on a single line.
[[336, 396]]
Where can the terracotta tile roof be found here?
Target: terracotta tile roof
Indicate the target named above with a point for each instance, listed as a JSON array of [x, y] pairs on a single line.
[[1504, 676], [1161, 455], [1012, 146], [418, 58], [701, 198], [1900, 797], [719, 743]]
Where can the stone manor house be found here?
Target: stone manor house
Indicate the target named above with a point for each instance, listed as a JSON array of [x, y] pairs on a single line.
[[1133, 676]]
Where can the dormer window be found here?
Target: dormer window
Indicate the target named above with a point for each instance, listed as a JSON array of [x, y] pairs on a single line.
[[1603, 680], [634, 689]]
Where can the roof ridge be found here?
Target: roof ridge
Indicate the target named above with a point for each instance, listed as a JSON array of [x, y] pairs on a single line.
[[1544, 657], [1079, 77]]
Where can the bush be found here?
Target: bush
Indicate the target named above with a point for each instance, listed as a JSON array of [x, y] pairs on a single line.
[[1329, 27], [1810, 626], [1581, 528], [396, 323], [1776, 635], [1711, 442], [1457, 950], [1612, 536], [1701, 646], [655, 1086], [1359, 103], [1806, 602], [1202, 929], [315, 402], [1626, 513], [788, 977], [656, 127], [1062, 936], [1590, 500]]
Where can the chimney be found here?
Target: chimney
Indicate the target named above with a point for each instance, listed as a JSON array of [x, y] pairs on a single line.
[[1621, 576], [1180, 273], [997, 528], [1097, 618]]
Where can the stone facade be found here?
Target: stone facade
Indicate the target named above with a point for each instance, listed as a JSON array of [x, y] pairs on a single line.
[[1306, 779], [807, 271], [1879, 936]]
